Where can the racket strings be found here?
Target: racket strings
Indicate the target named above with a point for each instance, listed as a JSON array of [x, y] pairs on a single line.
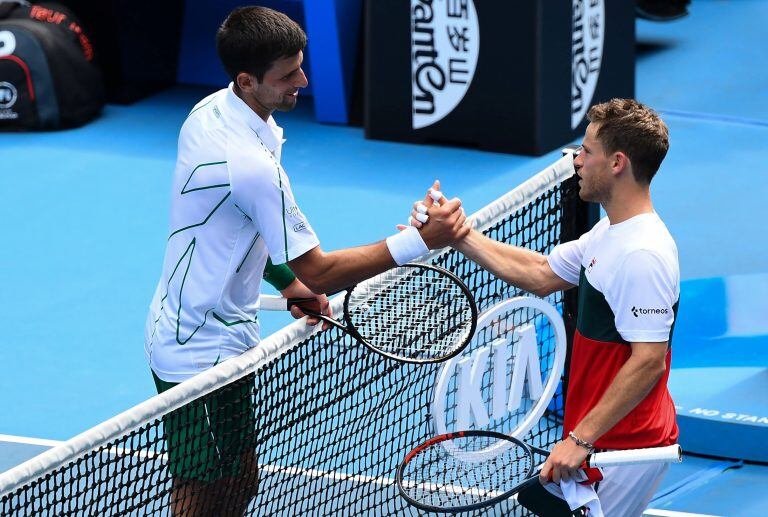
[[417, 313], [465, 471]]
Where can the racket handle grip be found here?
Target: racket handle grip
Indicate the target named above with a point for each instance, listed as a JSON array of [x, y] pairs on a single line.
[[668, 454], [272, 303]]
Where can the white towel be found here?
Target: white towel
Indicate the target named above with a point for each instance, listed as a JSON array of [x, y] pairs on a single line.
[[577, 493]]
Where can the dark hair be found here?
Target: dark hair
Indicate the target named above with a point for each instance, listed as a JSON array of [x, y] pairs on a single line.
[[636, 130], [252, 38]]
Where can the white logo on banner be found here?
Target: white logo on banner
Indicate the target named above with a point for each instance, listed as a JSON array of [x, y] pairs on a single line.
[[8, 95], [445, 42], [507, 397], [7, 43], [586, 54]]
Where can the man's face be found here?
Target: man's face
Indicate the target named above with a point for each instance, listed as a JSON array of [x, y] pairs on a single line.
[[280, 87], [594, 169]]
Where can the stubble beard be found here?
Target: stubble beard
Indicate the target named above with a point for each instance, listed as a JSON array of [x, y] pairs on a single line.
[[287, 104], [596, 191]]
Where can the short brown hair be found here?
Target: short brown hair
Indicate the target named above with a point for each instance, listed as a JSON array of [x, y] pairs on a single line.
[[636, 130], [252, 38]]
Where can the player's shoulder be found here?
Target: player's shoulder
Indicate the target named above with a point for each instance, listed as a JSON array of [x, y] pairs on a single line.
[[640, 243], [651, 234], [648, 245], [250, 164], [207, 118]]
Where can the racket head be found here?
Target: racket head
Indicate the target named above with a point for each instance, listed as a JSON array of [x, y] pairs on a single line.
[[464, 471], [414, 313]]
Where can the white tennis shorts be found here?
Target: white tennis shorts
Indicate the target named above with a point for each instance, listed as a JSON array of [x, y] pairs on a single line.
[[626, 491]]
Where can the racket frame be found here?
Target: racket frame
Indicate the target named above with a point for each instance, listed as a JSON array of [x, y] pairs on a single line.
[[350, 329], [667, 454], [463, 434]]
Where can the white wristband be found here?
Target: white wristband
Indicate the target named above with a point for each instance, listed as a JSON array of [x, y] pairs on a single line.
[[406, 245]]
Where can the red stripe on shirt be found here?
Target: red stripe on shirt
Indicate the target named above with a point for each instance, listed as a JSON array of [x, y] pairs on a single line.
[[594, 365]]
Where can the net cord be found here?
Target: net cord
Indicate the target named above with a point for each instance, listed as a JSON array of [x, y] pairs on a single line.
[[269, 348]]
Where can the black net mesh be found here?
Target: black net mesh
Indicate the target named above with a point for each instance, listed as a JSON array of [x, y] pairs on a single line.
[[320, 430]]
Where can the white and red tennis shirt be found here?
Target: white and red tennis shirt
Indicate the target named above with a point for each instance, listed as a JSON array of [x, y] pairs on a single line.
[[231, 207], [629, 288]]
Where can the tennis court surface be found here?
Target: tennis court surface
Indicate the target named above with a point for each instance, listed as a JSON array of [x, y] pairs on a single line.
[[85, 237]]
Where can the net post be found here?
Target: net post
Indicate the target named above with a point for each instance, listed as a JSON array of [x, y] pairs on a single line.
[[578, 218]]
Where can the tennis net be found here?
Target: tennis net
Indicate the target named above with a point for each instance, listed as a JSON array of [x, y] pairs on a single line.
[[326, 422]]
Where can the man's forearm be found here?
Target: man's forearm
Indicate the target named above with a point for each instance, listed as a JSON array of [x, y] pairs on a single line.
[[631, 385], [325, 272], [520, 267]]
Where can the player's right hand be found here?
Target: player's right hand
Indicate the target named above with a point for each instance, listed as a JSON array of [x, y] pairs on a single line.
[[419, 216]]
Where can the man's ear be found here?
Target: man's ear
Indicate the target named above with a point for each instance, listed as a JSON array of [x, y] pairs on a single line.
[[246, 82], [619, 162]]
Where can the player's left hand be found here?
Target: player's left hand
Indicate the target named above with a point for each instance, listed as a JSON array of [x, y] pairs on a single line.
[[564, 461]]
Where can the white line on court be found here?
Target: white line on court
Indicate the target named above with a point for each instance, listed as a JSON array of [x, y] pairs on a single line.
[[337, 476], [672, 513], [120, 451], [29, 441]]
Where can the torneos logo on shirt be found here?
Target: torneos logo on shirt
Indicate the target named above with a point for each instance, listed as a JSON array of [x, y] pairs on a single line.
[[445, 42], [586, 54], [508, 375]]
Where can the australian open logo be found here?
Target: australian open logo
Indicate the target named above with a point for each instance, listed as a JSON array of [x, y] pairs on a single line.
[[445, 42], [8, 95], [586, 55], [507, 377]]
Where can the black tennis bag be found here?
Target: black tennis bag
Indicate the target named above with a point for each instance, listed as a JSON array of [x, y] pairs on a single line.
[[48, 79]]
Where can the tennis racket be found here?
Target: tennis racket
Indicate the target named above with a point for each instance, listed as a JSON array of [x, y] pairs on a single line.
[[413, 313], [468, 470]]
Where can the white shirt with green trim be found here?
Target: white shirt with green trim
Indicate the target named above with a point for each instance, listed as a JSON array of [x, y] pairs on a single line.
[[231, 207]]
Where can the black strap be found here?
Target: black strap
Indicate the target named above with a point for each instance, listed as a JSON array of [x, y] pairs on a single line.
[[537, 499]]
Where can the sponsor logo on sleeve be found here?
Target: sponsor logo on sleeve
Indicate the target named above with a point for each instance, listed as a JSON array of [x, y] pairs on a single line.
[[445, 43], [299, 227], [640, 311]]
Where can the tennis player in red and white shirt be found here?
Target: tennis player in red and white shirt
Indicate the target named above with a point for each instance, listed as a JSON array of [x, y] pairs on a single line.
[[627, 271]]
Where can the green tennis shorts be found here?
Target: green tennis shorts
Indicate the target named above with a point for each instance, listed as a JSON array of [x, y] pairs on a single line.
[[207, 438]]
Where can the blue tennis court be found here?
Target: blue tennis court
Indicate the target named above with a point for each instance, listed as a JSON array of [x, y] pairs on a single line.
[[85, 217]]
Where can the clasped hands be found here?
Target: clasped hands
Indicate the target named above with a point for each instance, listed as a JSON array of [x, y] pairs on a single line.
[[448, 223]]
